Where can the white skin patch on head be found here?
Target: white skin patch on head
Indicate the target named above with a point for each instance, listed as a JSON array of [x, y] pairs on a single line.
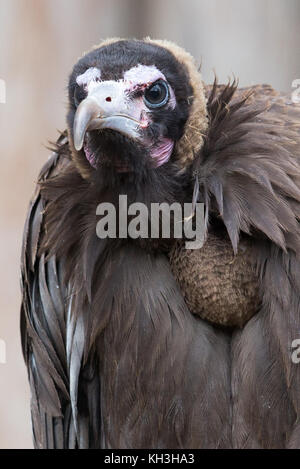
[[91, 75], [143, 75]]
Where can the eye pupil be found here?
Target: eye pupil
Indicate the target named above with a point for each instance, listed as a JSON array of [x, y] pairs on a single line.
[[157, 95]]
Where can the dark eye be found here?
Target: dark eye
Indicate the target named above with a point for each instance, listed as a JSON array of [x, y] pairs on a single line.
[[79, 95], [157, 95]]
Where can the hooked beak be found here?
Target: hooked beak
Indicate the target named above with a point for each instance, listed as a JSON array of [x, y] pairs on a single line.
[[104, 108]]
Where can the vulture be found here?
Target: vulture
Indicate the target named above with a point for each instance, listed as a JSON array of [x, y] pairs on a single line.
[[141, 343]]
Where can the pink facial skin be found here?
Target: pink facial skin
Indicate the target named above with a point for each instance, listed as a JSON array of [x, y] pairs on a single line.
[[90, 155], [138, 77], [162, 152]]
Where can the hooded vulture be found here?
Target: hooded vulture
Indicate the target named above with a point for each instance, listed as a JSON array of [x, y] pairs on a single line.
[[141, 343]]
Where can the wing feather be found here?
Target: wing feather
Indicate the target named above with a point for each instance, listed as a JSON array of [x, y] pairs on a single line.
[[54, 366]]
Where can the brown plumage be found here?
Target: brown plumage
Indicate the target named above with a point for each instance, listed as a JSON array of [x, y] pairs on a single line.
[[116, 358], [217, 285]]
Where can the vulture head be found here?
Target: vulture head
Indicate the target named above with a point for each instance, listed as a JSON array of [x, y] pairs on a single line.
[[135, 106]]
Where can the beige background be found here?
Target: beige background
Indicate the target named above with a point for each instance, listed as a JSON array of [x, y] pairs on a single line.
[[40, 40]]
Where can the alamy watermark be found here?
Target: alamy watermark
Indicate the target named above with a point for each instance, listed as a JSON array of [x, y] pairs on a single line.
[[296, 94], [2, 352], [296, 352], [164, 221], [2, 91]]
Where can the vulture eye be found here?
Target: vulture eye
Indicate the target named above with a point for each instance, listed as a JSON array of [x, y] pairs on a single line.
[[157, 95], [79, 95]]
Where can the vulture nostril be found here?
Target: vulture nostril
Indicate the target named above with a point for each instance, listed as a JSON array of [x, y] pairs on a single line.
[[108, 99]]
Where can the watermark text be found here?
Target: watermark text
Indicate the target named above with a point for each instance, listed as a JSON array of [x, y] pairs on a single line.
[[2, 352], [138, 221], [2, 91], [296, 94]]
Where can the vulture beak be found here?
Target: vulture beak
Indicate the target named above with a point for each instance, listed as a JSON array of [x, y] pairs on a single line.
[[107, 106]]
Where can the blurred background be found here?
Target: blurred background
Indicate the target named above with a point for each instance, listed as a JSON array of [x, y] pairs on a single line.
[[40, 40]]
